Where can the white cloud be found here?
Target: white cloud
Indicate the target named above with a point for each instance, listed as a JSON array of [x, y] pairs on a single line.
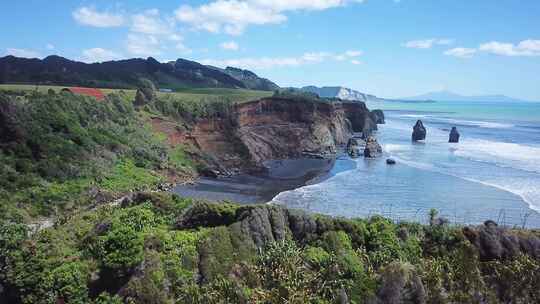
[[353, 53], [356, 62], [233, 16], [151, 23], [230, 45], [230, 16], [273, 62], [99, 55], [89, 16], [427, 43], [461, 52], [22, 53], [49, 46], [524, 48], [143, 45], [286, 5]]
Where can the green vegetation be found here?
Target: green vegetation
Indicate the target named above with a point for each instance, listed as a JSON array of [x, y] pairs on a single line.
[[191, 95], [60, 151], [159, 248], [68, 157]]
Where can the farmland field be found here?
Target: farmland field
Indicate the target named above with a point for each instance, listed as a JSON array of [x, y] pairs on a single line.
[[191, 95]]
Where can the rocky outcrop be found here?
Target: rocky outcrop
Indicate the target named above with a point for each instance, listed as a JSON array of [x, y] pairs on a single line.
[[379, 116], [362, 121], [454, 135], [372, 149], [495, 243], [271, 128], [390, 161], [353, 148], [419, 131]]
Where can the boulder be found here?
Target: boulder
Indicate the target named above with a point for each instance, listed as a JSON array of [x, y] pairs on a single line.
[[379, 116], [454, 135], [373, 149], [419, 131], [390, 161]]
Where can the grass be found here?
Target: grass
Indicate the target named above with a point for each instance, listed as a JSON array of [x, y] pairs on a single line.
[[190, 95], [126, 176]]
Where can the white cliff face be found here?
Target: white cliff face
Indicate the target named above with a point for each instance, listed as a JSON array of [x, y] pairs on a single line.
[[341, 93], [349, 94]]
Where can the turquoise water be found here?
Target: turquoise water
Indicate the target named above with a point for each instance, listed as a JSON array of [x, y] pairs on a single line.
[[524, 111], [493, 173]]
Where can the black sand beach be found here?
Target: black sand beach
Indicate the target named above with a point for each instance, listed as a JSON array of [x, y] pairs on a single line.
[[281, 175]]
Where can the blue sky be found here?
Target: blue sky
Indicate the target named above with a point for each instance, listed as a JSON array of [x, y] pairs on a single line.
[[386, 47]]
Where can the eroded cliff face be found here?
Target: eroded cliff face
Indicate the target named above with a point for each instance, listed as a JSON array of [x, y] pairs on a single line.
[[271, 128]]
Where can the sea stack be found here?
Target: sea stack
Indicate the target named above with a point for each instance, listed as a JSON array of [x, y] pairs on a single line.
[[419, 131], [454, 135], [353, 148], [373, 149]]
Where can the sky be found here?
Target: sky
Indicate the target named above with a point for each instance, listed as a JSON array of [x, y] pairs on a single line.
[[390, 48]]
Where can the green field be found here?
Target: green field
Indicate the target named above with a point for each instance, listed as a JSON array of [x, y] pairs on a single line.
[[235, 95]]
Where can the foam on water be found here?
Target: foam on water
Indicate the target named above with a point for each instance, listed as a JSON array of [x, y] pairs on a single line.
[[511, 155], [475, 123]]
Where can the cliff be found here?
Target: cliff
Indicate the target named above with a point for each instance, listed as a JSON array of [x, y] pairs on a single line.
[[341, 93], [248, 134]]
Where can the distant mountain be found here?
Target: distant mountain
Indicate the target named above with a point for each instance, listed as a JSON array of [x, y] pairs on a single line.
[[251, 80], [122, 73], [450, 96], [340, 92]]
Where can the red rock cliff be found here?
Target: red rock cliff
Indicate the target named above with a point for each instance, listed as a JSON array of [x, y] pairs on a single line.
[[272, 128]]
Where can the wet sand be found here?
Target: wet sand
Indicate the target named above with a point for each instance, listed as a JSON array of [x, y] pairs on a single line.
[[281, 175]]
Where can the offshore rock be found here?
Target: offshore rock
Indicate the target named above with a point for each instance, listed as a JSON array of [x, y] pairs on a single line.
[[454, 135], [353, 148], [390, 161], [419, 131], [373, 149]]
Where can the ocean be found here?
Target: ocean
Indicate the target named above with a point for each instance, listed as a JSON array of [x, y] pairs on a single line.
[[493, 173]]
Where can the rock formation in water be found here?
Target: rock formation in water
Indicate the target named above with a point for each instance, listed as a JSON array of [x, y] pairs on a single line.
[[454, 135], [390, 161], [353, 148], [379, 116], [373, 149], [419, 131]]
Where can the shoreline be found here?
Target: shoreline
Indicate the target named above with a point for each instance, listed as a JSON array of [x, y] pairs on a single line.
[[280, 176]]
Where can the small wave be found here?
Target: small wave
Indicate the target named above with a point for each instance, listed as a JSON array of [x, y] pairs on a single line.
[[392, 148], [475, 123], [513, 155], [526, 191], [414, 116]]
